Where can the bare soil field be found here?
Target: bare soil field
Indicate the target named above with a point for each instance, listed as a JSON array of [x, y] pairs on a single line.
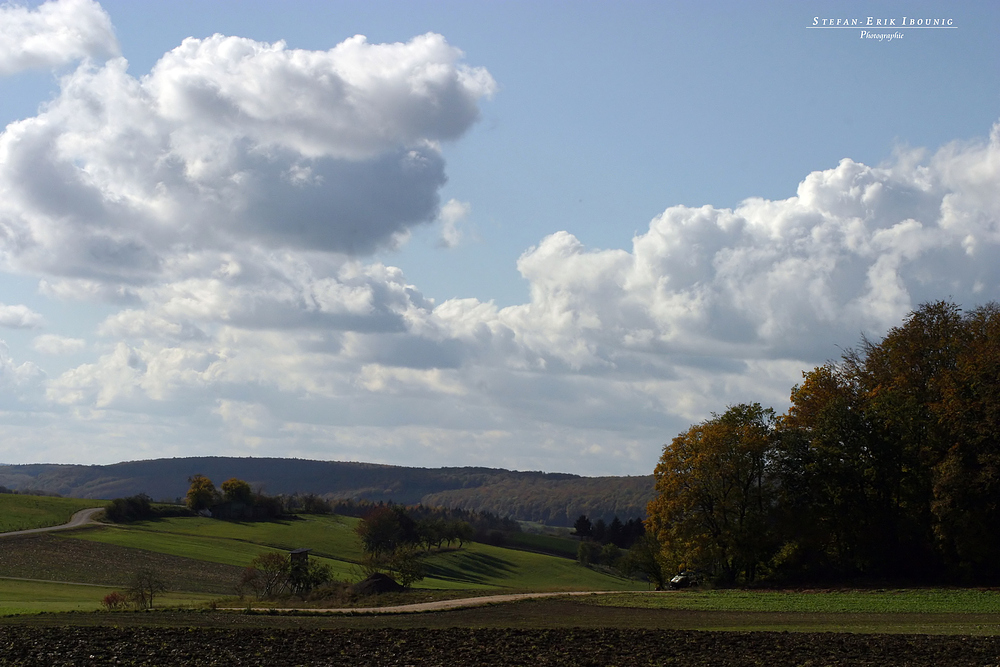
[[55, 558], [55, 646]]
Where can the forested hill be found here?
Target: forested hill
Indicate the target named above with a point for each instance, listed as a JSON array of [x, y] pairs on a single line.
[[556, 502], [555, 498]]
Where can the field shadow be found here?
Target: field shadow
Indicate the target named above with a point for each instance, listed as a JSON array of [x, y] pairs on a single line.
[[474, 568]]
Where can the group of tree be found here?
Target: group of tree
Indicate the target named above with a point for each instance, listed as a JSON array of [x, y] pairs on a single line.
[[236, 500], [604, 544], [486, 526], [552, 498], [144, 586], [622, 535], [886, 465], [392, 538], [30, 492], [273, 573]]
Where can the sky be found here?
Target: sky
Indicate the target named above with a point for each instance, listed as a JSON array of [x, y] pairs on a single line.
[[532, 235]]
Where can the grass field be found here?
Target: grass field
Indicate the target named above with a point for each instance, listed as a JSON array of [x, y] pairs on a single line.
[[30, 597], [19, 512], [475, 566], [550, 544], [480, 566], [899, 601]]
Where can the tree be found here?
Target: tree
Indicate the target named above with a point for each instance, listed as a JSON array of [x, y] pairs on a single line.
[[238, 491], [646, 558], [713, 506], [966, 491], [201, 494], [834, 474], [588, 552], [133, 508], [267, 575], [385, 529], [143, 587], [582, 526]]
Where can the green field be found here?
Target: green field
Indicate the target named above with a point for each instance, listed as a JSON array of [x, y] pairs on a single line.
[[32, 597], [19, 512], [473, 567], [899, 601], [551, 544]]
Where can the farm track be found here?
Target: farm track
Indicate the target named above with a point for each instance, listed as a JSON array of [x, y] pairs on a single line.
[[78, 520], [53, 647], [437, 605]]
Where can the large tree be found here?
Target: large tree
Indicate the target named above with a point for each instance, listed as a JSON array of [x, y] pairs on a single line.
[[714, 496], [201, 494]]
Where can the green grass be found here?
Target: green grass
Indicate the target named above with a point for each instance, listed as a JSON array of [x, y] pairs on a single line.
[[904, 601], [551, 544], [19, 512], [480, 566], [475, 566], [223, 550], [32, 597], [328, 536]]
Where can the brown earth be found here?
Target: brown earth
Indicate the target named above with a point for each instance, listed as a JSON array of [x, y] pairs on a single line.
[[56, 646], [51, 557]]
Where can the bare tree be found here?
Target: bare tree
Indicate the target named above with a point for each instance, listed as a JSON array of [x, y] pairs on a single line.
[[143, 587]]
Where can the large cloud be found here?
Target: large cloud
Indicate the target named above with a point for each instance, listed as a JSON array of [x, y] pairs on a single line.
[[228, 143], [54, 34], [615, 352]]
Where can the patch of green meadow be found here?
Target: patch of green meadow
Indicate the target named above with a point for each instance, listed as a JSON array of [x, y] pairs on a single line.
[[895, 601], [18, 512], [32, 597], [206, 547]]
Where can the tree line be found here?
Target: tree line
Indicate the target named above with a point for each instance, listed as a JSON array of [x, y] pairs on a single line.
[[552, 499], [885, 466]]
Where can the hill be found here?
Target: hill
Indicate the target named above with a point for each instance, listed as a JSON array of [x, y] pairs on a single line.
[[554, 498]]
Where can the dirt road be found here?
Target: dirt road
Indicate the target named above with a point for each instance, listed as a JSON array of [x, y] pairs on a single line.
[[81, 518], [438, 605]]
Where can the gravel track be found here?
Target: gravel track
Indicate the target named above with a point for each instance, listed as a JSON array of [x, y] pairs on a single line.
[[81, 518]]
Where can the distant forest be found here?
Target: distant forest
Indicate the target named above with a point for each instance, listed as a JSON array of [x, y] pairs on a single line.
[[554, 498]]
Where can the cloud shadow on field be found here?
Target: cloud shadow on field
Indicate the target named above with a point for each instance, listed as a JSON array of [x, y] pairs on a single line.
[[475, 568]]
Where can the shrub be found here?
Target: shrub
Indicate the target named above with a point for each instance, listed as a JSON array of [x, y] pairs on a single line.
[[114, 601]]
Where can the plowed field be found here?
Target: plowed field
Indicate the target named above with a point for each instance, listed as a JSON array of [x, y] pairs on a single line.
[[55, 646]]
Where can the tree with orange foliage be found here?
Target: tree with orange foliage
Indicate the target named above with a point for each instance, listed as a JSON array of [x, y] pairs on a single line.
[[714, 495]]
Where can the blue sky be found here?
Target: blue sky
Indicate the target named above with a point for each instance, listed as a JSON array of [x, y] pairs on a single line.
[[630, 215]]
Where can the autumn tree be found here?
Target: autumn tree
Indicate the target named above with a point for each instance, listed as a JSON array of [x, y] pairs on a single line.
[[966, 478], [835, 501], [714, 494], [236, 490], [201, 494]]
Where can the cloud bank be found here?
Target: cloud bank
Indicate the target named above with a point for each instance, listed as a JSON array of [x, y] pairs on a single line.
[[227, 204]]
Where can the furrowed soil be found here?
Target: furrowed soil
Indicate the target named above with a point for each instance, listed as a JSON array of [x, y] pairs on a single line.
[[56, 558], [53, 647]]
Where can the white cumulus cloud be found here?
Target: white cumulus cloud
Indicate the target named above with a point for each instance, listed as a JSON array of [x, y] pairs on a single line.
[[53, 34], [230, 143], [55, 344], [19, 317]]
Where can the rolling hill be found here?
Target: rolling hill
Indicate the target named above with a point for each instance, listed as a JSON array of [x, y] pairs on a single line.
[[554, 498]]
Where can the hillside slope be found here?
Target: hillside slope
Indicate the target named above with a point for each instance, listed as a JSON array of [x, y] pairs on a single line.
[[554, 498]]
